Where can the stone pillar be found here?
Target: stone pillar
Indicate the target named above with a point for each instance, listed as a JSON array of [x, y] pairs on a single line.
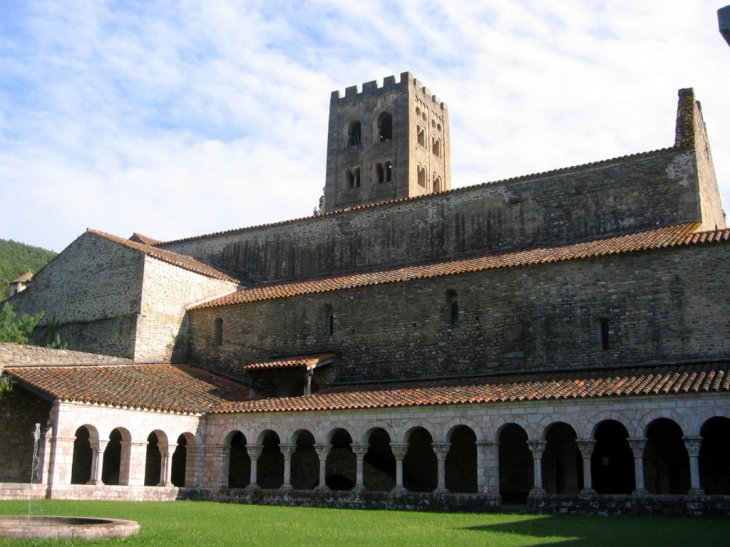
[[63, 453], [537, 448], [214, 465], [287, 450], [192, 454], [399, 451], [488, 467], [693, 445], [165, 464], [323, 451], [441, 450], [360, 450], [97, 460], [254, 452], [136, 463], [637, 447], [44, 455], [586, 447]]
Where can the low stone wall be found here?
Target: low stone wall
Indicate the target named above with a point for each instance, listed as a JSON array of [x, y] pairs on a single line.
[[10, 491], [651, 505], [19, 354], [112, 493]]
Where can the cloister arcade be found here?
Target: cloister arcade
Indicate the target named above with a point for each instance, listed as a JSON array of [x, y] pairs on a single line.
[[516, 460]]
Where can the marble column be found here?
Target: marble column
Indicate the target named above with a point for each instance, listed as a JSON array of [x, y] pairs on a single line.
[[287, 450], [693, 445], [254, 452], [399, 451], [97, 460], [323, 451], [488, 467], [637, 447], [165, 464], [360, 450], [586, 447], [537, 448], [441, 450]]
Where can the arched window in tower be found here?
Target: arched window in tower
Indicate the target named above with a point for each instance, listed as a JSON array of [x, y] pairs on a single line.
[[356, 177], [436, 184], [436, 148], [421, 135], [329, 316], [453, 301], [388, 171], [422, 176], [385, 127], [380, 172], [218, 332], [349, 179], [354, 134]]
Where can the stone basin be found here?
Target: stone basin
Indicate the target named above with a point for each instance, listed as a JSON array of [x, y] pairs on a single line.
[[42, 527]]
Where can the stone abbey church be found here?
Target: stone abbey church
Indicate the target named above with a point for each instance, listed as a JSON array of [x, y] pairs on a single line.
[[558, 340]]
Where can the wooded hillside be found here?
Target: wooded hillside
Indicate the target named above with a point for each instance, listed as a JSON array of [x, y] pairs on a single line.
[[17, 258]]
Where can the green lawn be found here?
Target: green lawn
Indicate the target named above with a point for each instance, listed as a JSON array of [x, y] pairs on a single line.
[[202, 523]]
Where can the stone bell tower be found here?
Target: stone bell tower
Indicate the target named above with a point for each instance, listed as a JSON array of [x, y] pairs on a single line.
[[386, 143]]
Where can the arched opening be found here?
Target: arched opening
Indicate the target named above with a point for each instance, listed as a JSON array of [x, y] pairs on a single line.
[[270, 471], [354, 134], [218, 332], [452, 300], [388, 171], [153, 462], [437, 184], [515, 465], [329, 317], [356, 177], [341, 462], [612, 462], [179, 462], [421, 176], [349, 179], [461, 461], [304, 462], [115, 467], [666, 462], [562, 465], [715, 456], [436, 148], [82, 457], [421, 135], [239, 463], [385, 126], [379, 462], [380, 172], [420, 466]]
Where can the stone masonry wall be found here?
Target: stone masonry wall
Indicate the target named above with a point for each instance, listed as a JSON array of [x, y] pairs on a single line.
[[616, 196], [91, 292], [18, 354], [167, 290], [662, 305]]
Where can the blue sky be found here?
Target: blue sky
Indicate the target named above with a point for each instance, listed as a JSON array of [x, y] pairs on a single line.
[[181, 118]]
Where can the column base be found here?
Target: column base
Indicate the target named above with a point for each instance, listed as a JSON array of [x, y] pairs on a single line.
[[537, 492], [286, 487], [322, 488], [399, 489], [587, 493], [164, 484], [640, 492], [252, 487], [696, 492], [358, 489], [95, 483], [441, 490]]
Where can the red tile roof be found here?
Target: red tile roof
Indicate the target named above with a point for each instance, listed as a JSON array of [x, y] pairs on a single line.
[[665, 236], [461, 190], [309, 361], [24, 278], [141, 238], [181, 261], [175, 388], [567, 384]]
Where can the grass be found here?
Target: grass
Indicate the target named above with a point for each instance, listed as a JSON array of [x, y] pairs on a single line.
[[203, 523]]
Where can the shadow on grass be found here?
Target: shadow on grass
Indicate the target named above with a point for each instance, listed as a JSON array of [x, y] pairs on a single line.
[[582, 531]]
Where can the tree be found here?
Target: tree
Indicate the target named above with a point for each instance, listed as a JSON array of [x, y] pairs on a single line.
[[16, 330], [319, 209]]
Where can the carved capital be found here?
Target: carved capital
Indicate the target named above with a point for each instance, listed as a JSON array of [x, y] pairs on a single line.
[[254, 451], [287, 450], [693, 445], [99, 446], [399, 450], [360, 449], [586, 447], [537, 448], [637, 446], [323, 450], [441, 450]]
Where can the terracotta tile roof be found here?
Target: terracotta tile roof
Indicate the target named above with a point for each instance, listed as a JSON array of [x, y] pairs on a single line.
[[141, 238], [175, 388], [24, 278], [461, 190], [309, 361], [181, 261], [577, 384], [665, 236]]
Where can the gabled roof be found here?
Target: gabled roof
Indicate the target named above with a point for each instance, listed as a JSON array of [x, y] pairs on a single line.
[[174, 388], [656, 238], [141, 238], [181, 261], [537, 386], [24, 278], [306, 361]]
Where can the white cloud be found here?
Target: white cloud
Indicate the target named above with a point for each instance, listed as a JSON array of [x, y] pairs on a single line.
[[174, 119]]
